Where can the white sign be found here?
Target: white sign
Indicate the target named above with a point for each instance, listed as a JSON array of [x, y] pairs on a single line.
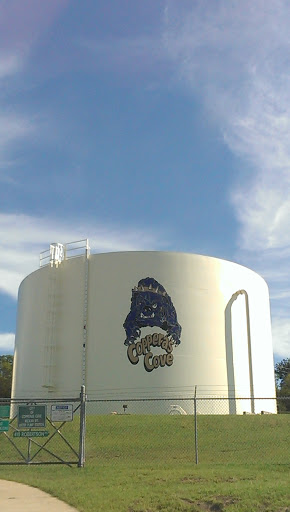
[[62, 412]]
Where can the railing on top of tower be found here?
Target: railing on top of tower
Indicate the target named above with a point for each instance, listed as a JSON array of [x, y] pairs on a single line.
[[58, 252]]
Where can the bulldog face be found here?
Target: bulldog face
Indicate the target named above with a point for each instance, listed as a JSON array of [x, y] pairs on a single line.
[[151, 306]]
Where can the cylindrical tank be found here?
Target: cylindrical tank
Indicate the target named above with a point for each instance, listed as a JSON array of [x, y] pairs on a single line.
[[145, 324]]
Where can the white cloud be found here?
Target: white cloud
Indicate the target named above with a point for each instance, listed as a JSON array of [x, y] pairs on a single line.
[[139, 55], [13, 125], [7, 343], [10, 63], [281, 336], [23, 237], [12, 128], [237, 60], [125, 48]]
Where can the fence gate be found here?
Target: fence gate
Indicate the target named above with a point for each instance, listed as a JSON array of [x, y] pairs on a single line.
[[42, 431]]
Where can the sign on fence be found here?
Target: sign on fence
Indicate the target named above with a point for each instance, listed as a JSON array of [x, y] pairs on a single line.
[[4, 425], [32, 433], [4, 411], [31, 416], [37, 431], [62, 412]]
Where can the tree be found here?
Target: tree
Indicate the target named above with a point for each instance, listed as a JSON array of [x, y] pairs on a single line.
[[282, 376], [6, 365], [282, 369]]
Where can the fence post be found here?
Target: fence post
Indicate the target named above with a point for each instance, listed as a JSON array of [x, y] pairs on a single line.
[[82, 427], [195, 427], [28, 450]]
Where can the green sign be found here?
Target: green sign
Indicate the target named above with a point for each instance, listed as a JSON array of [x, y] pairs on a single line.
[[4, 425], [33, 433], [31, 416], [4, 411]]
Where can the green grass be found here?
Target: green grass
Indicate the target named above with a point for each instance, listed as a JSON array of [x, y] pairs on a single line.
[[147, 464]]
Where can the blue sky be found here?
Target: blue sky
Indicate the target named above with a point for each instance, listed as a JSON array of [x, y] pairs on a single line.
[[156, 124]]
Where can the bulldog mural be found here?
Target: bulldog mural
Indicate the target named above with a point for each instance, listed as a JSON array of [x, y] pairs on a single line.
[[151, 306]]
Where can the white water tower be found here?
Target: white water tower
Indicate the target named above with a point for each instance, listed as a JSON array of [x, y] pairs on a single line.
[[144, 324]]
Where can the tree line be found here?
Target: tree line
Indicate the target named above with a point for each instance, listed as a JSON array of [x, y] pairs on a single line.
[[282, 376], [6, 365]]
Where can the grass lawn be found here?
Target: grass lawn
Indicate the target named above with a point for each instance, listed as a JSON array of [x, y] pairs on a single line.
[[147, 464]]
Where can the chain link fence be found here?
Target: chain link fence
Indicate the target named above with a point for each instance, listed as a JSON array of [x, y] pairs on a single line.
[[42, 431], [243, 437], [194, 430], [197, 430]]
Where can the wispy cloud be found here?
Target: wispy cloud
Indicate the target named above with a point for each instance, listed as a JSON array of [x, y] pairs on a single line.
[[23, 237], [10, 63], [136, 55], [7, 341], [14, 126], [236, 58], [22, 24], [281, 335], [125, 48]]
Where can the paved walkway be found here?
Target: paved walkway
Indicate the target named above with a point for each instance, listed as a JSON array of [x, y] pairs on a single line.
[[15, 497]]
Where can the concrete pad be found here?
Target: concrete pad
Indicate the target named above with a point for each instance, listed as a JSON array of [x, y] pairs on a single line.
[[15, 497]]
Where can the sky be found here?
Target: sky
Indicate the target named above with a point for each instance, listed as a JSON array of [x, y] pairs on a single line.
[[146, 125]]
